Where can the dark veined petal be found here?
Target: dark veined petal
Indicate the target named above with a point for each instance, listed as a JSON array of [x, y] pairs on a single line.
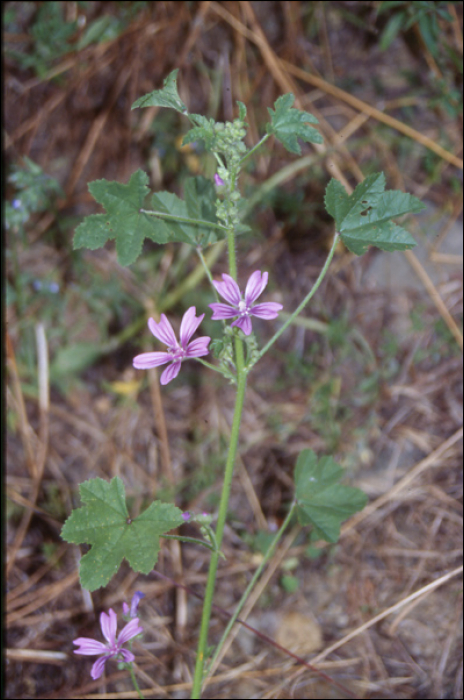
[[255, 286], [222, 311], [109, 625], [228, 289], [132, 629], [189, 325], [151, 359], [170, 373], [198, 347], [97, 668], [267, 310], [89, 647], [163, 331], [244, 323]]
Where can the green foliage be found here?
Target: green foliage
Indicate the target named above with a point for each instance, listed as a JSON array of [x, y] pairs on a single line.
[[104, 28], [51, 37], [405, 14], [289, 124], [105, 524], [168, 96], [321, 501], [198, 205], [364, 217], [125, 221], [35, 192], [289, 583]]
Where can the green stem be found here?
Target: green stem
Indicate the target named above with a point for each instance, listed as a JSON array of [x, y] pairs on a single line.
[[253, 150], [231, 251], [243, 599], [134, 681], [223, 505], [183, 219], [205, 266], [208, 601], [208, 364], [300, 308], [192, 540]]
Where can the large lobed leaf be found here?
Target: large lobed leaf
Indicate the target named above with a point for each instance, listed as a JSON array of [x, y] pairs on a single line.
[[322, 501], [104, 523], [364, 217], [123, 219], [125, 222]]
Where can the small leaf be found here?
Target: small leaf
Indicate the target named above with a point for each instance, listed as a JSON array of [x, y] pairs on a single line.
[[204, 131], [289, 124], [105, 524], [166, 97], [364, 217], [242, 110], [123, 219], [321, 501]]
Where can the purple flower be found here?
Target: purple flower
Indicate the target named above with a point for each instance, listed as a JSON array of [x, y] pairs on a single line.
[[132, 610], [218, 181], [229, 290], [176, 351], [113, 648]]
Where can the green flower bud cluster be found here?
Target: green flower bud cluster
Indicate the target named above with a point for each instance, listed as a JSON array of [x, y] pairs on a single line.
[[252, 351], [228, 142]]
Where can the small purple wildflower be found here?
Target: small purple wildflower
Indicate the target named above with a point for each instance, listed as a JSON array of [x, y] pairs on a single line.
[[218, 181], [229, 290], [132, 610], [177, 351], [113, 649], [186, 516]]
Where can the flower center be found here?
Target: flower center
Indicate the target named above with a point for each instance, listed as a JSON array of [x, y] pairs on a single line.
[[177, 351], [242, 307]]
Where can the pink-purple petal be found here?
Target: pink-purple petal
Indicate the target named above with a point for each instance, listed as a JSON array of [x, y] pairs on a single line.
[[132, 629], [244, 323], [170, 373], [127, 655], [97, 668], [255, 286], [221, 311], [151, 359], [163, 330], [109, 625], [189, 325], [89, 647], [228, 289], [268, 310], [198, 347]]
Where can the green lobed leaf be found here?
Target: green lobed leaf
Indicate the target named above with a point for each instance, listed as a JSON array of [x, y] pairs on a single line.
[[289, 124], [168, 96], [123, 219], [105, 524], [200, 197], [364, 217], [321, 501]]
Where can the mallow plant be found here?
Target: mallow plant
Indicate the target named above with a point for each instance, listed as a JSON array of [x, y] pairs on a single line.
[[213, 210]]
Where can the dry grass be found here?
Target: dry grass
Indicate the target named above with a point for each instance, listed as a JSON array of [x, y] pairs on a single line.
[[379, 613]]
